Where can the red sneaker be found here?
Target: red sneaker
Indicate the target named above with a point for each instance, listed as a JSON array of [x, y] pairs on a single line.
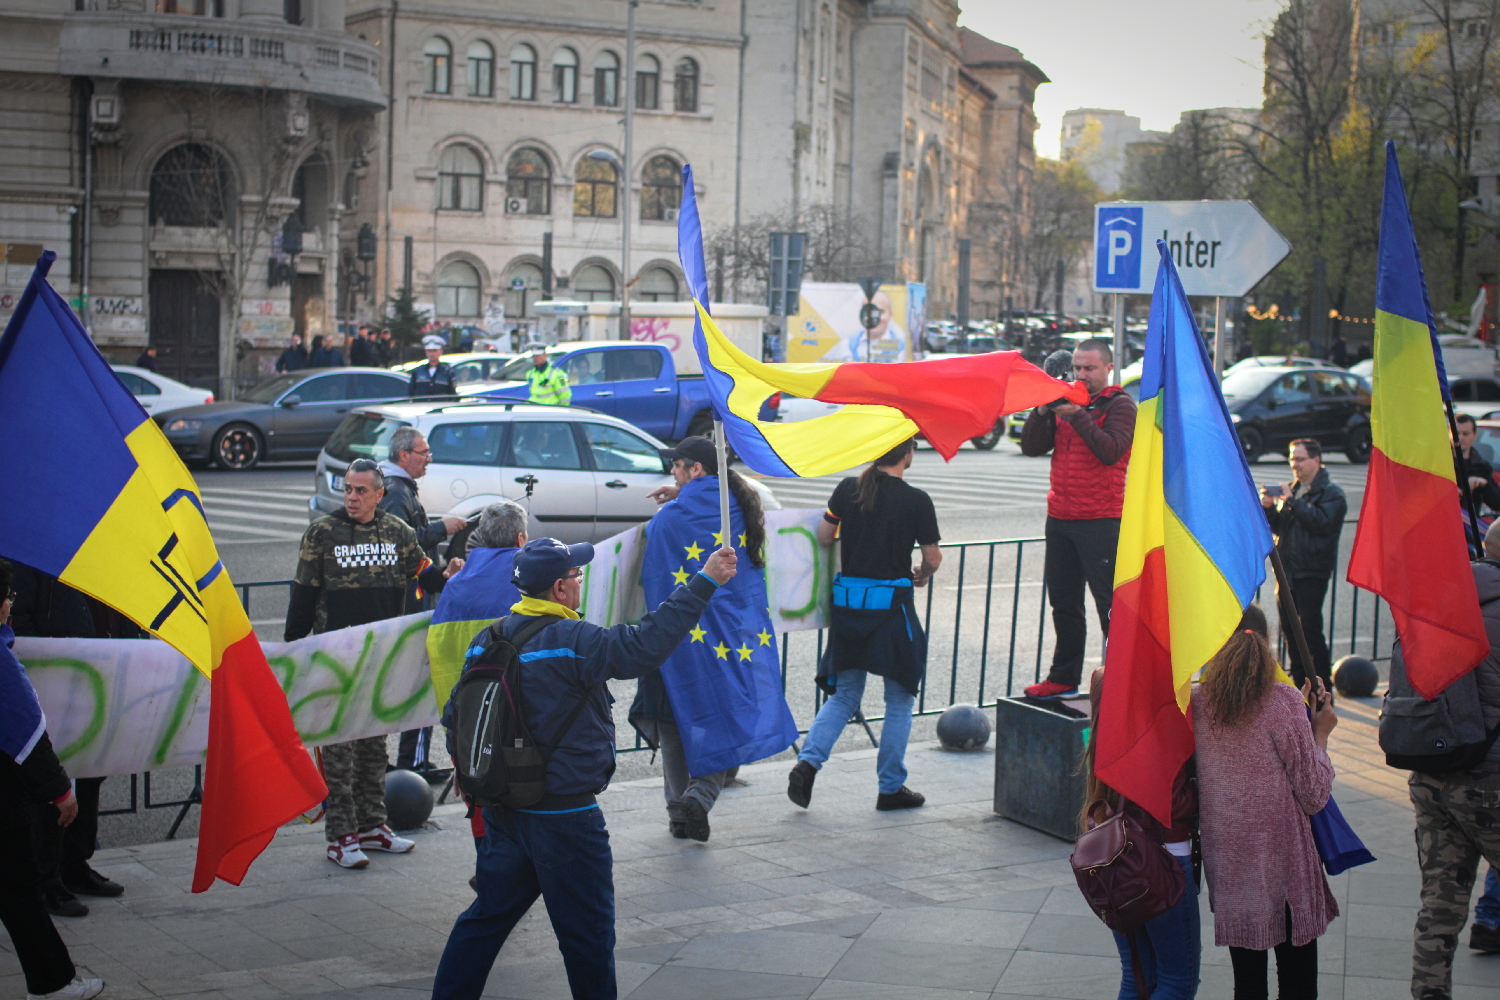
[[1051, 689]]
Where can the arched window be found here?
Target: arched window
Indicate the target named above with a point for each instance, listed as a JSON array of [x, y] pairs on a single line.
[[481, 60], [685, 85], [461, 179], [647, 83], [523, 73], [607, 80], [594, 188], [565, 76], [520, 301], [528, 183], [439, 56], [657, 284], [191, 186], [661, 189], [594, 284], [458, 290]]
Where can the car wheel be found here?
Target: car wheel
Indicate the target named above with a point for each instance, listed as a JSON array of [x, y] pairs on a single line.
[[1253, 443], [987, 442], [1357, 448], [238, 447]]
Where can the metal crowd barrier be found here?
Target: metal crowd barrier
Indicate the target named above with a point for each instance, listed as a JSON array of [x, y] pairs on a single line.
[[976, 611]]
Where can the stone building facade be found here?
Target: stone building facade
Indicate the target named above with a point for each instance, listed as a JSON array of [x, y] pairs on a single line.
[[173, 152]]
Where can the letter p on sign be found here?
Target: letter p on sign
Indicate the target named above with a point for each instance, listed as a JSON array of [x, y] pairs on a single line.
[[1117, 247]]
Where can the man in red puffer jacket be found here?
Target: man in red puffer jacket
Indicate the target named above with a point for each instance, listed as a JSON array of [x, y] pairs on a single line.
[[1090, 448]]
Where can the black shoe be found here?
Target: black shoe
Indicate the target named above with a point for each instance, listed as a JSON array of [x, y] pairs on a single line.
[[903, 798], [90, 883], [678, 828], [1482, 938], [62, 903], [695, 820], [799, 783]]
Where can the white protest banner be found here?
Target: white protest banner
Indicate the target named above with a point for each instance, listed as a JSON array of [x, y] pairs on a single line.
[[118, 706]]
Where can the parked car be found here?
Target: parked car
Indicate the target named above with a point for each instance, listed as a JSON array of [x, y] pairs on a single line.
[[1478, 397], [469, 368], [285, 417], [637, 382], [584, 476], [157, 393], [1271, 407], [1277, 361]]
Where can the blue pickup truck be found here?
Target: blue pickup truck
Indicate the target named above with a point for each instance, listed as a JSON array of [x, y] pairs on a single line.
[[637, 382]]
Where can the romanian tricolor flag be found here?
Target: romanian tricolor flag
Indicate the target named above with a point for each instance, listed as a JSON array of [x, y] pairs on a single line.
[[1409, 547], [98, 499], [1193, 548], [947, 400]]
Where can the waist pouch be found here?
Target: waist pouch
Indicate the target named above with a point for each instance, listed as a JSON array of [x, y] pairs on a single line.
[[867, 594]]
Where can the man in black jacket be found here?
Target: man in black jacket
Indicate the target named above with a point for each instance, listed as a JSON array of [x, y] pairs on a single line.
[[1307, 517], [30, 776], [436, 377], [558, 848], [409, 456], [354, 568]]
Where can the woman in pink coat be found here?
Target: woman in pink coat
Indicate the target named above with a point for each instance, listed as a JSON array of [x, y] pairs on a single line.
[[1262, 771]]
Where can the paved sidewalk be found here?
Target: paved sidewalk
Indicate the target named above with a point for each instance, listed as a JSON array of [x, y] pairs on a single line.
[[839, 901]]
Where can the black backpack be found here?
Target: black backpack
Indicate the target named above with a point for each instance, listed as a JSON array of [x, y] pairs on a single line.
[[496, 760], [1433, 737]]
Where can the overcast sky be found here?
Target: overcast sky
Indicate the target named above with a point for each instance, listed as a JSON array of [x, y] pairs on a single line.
[[1150, 58]]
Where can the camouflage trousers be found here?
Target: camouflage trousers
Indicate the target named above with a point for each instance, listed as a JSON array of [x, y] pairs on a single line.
[[355, 773], [1458, 821]]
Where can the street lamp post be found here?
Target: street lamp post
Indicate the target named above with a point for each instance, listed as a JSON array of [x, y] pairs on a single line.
[[625, 172]]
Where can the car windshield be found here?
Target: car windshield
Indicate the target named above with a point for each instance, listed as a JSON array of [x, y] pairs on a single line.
[[266, 392], [1249, 382], [362, 435], [517, 369]]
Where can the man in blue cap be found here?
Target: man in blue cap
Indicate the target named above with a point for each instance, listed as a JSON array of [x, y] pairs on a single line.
[[558, 848]]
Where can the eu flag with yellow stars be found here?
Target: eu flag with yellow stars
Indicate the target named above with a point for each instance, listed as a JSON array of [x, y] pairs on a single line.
[[724, 681]]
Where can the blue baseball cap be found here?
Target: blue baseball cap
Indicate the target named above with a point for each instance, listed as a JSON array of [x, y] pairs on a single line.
[[543, 561]]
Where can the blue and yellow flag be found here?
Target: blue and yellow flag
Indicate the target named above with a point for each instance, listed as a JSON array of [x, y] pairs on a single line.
[[471, 602], [1192, 552], [724, 682], [102, 502]]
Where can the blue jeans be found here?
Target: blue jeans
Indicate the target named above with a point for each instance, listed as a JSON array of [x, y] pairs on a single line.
[[1169, 947], [849, 689], [565, 859], [1487, 909]]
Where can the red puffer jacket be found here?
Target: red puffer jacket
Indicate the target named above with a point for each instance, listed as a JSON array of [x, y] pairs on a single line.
[[1090, 454]]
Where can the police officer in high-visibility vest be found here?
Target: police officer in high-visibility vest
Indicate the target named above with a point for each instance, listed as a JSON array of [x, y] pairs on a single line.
[[549, 383]]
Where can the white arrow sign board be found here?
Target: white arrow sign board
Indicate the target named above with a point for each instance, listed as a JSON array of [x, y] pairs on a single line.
[[1220, 248]]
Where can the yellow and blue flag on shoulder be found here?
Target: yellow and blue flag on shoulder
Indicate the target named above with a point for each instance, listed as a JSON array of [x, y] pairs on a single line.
[[102, 502], [946, 400], [478, 595]]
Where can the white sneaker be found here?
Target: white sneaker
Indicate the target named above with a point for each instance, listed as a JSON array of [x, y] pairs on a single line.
[[78, 989], [382, 839], [345, 852]]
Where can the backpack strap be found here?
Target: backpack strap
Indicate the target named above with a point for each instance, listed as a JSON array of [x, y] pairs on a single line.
[[519, 641]]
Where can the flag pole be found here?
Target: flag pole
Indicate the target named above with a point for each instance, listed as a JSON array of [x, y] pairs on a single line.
[[1289, 616], [723, 449]]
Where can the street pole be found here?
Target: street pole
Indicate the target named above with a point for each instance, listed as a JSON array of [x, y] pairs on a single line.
[[626, 172], [1121, 357], [1218, 335]]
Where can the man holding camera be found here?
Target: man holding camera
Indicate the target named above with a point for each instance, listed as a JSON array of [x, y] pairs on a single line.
[[1090, 448]]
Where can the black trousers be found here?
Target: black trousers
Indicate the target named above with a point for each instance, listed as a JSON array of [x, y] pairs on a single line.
[[415, 748], [43, 956], [1078, 553], [1296, 970], [1307, 597], [63, 852]]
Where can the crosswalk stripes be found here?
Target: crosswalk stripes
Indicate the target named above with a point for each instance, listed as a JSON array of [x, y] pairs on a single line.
[[245, 516]]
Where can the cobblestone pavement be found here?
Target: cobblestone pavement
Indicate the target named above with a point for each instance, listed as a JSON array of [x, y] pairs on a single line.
[[838, 901]]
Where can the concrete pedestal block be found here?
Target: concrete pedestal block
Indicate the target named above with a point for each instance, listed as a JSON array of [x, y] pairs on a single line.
[[1037, 753]]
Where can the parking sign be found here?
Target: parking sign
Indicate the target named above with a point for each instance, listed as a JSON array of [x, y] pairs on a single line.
[[1117, 247]]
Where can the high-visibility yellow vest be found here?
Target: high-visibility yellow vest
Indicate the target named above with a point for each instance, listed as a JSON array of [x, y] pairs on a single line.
[[549, 385]]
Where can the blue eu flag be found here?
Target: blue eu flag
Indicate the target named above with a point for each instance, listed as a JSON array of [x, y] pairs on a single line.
[[724, 682]]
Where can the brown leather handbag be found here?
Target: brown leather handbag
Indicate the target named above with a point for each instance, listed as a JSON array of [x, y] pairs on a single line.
[[1126, 877]]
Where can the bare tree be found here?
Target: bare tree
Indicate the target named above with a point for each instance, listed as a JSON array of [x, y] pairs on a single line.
[[1062, 213], [1198, 159], [837, 249]]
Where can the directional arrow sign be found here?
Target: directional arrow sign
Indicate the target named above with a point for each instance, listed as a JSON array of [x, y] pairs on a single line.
[[1221, 248]]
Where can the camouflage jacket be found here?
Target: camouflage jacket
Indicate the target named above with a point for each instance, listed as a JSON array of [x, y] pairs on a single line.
[[351, 574]]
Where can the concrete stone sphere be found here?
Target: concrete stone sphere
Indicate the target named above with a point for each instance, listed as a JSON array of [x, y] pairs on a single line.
[[963, 727], [408, 800], [1355, 677]]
